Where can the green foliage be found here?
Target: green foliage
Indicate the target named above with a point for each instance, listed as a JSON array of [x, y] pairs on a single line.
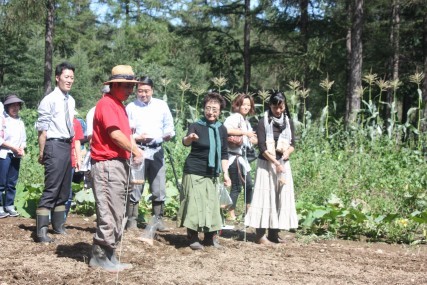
[[85, 201], [27, 198]]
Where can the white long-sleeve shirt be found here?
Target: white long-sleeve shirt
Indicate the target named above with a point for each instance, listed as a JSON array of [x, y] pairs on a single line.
[[13, 133], [52, 114], [153, 119]]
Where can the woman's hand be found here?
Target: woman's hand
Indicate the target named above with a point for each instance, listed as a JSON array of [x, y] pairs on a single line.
[[280, 168], [190, 138], [253, 139], [286, 155], [227, 180], [193, 137]]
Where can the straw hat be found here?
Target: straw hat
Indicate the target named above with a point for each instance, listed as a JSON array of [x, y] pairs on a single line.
[[122, 73], [12, 99]]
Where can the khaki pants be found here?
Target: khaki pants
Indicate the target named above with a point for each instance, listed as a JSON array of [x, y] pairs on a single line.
[[109, 188]]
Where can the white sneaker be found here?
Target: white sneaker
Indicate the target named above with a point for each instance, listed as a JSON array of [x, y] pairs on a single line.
[[3, 214], [227, 227], [11, 211]]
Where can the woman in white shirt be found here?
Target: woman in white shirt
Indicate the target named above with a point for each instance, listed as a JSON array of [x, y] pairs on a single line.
[[237, 124], [12, 145]]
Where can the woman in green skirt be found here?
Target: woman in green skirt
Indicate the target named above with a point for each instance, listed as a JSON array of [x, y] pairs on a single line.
[[200, 208]]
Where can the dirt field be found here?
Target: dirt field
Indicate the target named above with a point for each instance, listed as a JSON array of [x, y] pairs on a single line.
[[170, 261]]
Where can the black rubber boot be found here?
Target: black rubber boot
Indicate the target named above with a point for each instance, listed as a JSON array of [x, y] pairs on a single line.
[[193, 237], [158, 213], [273, 236], [211, 239], [99, 259], [58, 220], [132, 215], [42, 225], [111, 255]]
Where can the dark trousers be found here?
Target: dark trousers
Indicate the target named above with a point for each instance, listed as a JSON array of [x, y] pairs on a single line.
[[236, 177], [57, 174], [9, 172], [155, 174]]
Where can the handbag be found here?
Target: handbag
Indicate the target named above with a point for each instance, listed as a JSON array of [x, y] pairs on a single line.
[[251, 154], [235, 141]]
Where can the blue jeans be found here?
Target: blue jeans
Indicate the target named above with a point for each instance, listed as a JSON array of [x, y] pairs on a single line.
[[9, 172]]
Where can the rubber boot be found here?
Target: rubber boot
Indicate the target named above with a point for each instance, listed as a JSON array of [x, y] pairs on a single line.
[[132, 215], [211, 239], [58, 220], [68, 206], [111, 255], [193, 237], [99, 259], [261, 238], [158, 213], [273, 236], [42, 225]]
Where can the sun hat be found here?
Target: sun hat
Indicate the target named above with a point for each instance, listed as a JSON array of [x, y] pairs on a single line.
[[12, 99], [122, 73]]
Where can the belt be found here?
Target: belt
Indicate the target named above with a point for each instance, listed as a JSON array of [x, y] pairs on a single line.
[[153, 145], [69, 140]]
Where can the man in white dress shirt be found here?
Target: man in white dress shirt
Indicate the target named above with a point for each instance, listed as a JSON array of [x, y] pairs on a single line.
[[152, 122], [55, 134]]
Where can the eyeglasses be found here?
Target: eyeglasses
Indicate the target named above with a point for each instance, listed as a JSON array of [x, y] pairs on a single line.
[[210, 109]]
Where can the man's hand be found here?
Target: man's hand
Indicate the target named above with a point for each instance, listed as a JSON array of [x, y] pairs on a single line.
[[167, 137], [41, 158], [138, 157]]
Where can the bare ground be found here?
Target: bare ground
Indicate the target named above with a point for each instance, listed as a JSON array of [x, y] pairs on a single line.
[[170, 261]]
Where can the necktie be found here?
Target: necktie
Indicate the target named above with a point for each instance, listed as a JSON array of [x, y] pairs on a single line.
[[67, 117]]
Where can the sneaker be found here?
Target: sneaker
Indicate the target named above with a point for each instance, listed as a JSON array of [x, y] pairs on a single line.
[[11, 211], [3, 214], [227, 227]]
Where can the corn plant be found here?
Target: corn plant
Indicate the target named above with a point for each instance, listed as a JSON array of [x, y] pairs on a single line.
[[230, 96], [326, 85], [219, 82], [184, 87], [198, 92], [304, 93], [264, 97], [383, 86], [295, 86], [359, 92], [164, 83], [370, 79], [417, 78]]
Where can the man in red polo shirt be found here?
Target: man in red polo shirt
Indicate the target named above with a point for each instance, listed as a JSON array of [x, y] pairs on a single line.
[[111, 148]]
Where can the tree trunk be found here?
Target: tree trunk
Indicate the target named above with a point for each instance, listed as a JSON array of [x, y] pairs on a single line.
[[304, 46], [355, 61], [348, 71], [394, 61], [48, 49], [246, 47], [424, 87]]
